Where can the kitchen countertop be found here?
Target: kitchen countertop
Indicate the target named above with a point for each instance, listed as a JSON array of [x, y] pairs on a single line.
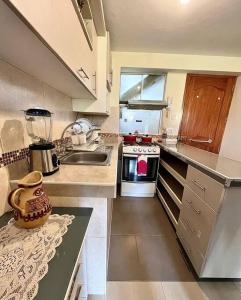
[[225, 170], [55, 283], [83, 180]]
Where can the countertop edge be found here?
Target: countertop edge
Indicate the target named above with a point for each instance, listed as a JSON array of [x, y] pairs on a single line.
[[227, 181]]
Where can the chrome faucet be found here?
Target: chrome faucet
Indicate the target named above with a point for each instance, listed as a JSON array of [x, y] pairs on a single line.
[[88, 134], [67, 127]]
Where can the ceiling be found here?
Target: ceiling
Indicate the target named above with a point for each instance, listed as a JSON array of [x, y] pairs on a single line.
[[206, 27]]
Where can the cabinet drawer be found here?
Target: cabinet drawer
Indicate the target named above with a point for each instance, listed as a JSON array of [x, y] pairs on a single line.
[[208, 189], [198, 219], [194, 255]]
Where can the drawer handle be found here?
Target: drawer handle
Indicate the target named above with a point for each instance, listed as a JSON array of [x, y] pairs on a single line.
[[199, 185], [81, 70], [197, 211], [78, 290]]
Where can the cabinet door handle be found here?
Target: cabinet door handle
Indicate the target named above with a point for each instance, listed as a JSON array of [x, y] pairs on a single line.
[[199, 185], [81, 70], [94, 88], [197, 211]]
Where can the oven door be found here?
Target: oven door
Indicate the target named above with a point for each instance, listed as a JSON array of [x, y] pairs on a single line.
[[129, 168]]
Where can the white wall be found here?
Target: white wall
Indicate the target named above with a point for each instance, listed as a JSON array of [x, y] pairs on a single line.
[[175, 87], [177, 66], [19, 91], [231, 144]]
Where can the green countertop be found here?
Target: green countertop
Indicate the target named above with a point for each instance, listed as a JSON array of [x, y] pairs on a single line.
[[55, 283]]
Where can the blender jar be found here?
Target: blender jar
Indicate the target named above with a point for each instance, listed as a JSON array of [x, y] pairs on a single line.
[[39, 125]]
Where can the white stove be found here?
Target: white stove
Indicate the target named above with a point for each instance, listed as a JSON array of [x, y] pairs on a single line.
[[132, 183]]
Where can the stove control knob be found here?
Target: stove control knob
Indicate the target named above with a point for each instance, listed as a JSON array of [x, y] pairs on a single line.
[[144, 150], [135, 149], [140, 150], [154, 150], [149, 150]]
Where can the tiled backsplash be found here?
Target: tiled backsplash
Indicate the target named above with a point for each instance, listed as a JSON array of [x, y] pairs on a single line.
[[20, 91], [11, 157]]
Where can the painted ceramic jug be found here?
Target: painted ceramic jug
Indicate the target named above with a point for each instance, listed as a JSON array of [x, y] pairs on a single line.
[[31, 205]]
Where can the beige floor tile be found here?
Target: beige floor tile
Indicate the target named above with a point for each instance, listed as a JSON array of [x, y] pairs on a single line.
[[124, 264], [220, 290], [238, 285], [120, 291], [161, 260], [148, 290], [183, 291], [96, 297], [141, 215]]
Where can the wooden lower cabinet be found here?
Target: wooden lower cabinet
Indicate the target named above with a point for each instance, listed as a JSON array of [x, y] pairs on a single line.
[[207, 218], [192, 251], [198, 218]]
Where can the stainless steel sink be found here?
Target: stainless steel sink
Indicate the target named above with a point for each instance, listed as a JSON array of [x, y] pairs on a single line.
[[98, 157]]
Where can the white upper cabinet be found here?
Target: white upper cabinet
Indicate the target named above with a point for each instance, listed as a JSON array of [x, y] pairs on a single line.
[[102, 104], [56, 24]]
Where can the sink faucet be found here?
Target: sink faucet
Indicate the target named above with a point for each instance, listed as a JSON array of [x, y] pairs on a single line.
[[88, 133], [67, 127]]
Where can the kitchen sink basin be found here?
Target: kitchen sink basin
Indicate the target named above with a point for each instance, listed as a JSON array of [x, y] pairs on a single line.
[[100, 158]]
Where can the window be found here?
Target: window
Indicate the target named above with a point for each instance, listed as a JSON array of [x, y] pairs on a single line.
[[139, 121], [142, 87]]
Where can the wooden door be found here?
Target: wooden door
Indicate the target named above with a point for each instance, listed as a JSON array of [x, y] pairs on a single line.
[[207, 101]]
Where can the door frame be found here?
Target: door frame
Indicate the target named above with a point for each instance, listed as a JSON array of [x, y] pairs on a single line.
[[224, 110]]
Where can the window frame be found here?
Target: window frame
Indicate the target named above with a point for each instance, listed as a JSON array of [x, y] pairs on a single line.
[[164, 74]]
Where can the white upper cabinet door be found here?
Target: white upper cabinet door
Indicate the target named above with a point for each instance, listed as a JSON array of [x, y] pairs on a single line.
[[93, 62], [57, 23], [102, 104]]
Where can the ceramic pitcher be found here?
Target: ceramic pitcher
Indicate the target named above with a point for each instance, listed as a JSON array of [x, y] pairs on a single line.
[[30, 203]]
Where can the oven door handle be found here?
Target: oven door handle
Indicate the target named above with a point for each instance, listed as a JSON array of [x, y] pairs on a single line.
[[136, 155]]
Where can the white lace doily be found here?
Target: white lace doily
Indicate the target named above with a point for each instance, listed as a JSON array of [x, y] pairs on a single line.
[[24, 256]]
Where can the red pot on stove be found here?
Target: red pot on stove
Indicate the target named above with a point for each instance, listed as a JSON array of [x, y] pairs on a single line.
[[129, 138], [146, 139]]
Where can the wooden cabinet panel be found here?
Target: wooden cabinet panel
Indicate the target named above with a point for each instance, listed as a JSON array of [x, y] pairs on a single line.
[[207, 188], [198, 218], [193, 253]]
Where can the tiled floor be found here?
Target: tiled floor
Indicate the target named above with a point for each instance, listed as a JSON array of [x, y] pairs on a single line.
[[143, 243], [146, 260], [120, 290]]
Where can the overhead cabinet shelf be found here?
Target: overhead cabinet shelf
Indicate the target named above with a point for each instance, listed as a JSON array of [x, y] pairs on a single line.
[[24, 47]]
